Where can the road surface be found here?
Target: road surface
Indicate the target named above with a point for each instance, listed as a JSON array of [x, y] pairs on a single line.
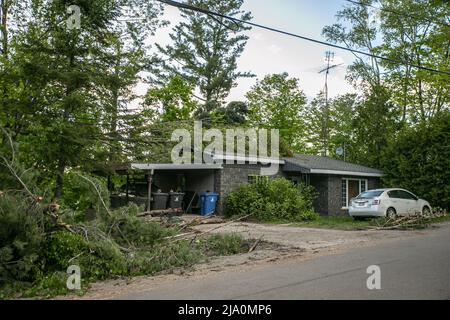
[[412, 268]]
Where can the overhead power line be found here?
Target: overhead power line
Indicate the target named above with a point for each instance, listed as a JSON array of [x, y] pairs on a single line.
[[208, 12], [400, 14]]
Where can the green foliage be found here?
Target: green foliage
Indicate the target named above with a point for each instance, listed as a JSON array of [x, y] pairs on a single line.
[[277, 102], [163, 257], [419, 160], [174, 101], [21, 240], [79, 194], [223, 245], [127, 229], [105, 260], [205, 50], [61, 248], [272, 199]]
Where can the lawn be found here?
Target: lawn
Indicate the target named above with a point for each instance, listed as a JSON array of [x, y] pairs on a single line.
[[339, 223], [348, 223]]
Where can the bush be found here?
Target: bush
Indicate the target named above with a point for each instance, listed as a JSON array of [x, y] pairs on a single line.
[[223, 245], [21, 239], [61, 249], [104, 260], [418, 159], [272, 199], [163, 257]]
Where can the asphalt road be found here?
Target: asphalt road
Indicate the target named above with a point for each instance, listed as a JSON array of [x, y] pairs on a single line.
[[413, 268]]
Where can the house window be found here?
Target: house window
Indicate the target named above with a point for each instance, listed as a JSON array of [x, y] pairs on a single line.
[[351, 188], [253, 178]]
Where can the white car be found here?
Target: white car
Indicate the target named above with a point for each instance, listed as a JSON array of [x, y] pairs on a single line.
[[387, 203]]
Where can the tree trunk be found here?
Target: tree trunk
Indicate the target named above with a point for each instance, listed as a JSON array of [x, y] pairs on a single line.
[[4, 26], [62, 160]]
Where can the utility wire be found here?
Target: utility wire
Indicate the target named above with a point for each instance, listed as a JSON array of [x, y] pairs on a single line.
[[208, 12], [401, 14]]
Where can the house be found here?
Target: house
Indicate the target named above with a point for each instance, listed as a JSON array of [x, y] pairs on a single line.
[[335, 181]]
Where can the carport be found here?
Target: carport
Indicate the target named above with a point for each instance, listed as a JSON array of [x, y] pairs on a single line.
[[191, 179]]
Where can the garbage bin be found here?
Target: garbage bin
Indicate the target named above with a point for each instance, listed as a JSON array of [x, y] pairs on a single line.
[[208, 203], [160, 201], [176, 200]]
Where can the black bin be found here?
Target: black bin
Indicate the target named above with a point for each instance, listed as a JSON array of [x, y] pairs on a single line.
[[160, 201], [176, 200]]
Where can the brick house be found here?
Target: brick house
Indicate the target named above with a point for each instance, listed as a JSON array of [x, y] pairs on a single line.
[[335, 181]]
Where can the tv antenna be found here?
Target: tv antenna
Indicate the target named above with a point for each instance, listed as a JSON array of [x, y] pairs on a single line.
[[329, 57]]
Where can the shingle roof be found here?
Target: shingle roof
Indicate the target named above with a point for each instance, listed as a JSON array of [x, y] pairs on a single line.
[[311, 163]]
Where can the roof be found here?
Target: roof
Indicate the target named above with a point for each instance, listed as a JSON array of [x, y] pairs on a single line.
[[306, 163], [173, 166]]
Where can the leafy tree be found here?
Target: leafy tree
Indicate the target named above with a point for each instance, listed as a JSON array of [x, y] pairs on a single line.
[[69, 85], [411, 35], [420, 37], [375, 123], [174, 101], [419, 160], [341, 113], [278, 102], [205, 49], [234, 114]]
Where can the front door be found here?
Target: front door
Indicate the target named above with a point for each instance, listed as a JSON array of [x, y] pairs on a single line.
[[353, 189]]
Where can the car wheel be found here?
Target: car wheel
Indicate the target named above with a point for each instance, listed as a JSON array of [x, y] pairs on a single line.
[[391, 213], [426, 211]]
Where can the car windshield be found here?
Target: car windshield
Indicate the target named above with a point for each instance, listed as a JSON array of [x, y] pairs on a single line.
[[370, 194]]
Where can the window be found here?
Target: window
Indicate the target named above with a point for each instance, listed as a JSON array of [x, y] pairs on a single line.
[[351, 188], [395, 194], [406, 195], [370, 194], [253, 178]]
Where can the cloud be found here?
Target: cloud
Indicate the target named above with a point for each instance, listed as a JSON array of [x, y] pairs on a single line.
[[275, 49]]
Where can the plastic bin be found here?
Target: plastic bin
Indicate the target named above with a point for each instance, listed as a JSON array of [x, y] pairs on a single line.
[[160, 201], [208, 203], [176, 200]]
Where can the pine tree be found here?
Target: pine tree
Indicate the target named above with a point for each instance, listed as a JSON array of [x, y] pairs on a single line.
[[205, 49]]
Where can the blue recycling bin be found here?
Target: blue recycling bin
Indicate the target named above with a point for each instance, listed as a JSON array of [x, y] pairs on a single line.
[[208, 203]]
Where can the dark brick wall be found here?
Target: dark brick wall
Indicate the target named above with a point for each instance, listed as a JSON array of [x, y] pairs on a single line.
[[320, 183], [335, 196], [231, 177]]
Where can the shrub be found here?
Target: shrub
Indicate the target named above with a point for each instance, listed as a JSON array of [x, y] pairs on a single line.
[[223, 245], [418, 159], [163, 257], [61, 249], [21, 239], [272, 199], [104, 260]]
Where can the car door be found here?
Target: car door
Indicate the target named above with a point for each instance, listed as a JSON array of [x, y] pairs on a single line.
[[410, 201], [397, 202]]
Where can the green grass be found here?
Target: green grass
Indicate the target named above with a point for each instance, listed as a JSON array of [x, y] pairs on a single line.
[[441, 219], [348, 223], [338, 223]]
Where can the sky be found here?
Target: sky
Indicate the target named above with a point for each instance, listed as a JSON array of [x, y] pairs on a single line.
[[268, 52]]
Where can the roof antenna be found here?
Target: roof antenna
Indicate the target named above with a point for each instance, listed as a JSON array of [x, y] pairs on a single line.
[[329, 57]]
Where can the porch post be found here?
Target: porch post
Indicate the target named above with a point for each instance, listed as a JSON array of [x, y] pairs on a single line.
[[149, 189]]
